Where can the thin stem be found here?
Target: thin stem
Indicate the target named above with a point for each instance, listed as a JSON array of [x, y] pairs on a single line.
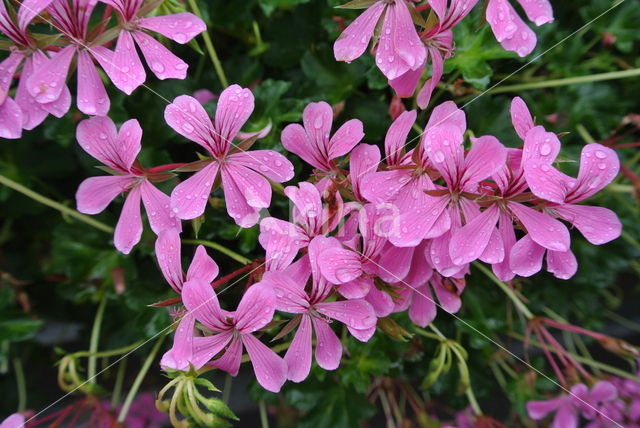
[[117, 387], [264, 420], [472, 401], [210, 49], [53, 204], [508, 291], [221, 248], [138, 380], [567, 81], [95, 337], [21, 385], [226, 390]]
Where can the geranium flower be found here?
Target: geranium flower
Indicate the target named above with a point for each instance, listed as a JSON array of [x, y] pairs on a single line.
[[13, 421], [118, 150], [243, 173]]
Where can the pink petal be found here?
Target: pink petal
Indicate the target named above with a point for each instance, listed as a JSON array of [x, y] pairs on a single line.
[[345, 138], [380, 301], [33, 114], [405, 37], [469, 242], [364, 159], [603, 391], [97, 136], [308, 205], [526, 257], [202, 266], [269, 163], [163, 63], [168, 253], [129, 227], [355, 313], [328, 346], [245, 193], [405, 84], [562, 265], [181, 353], [382, 186], [440, 257], [270, 369], [423, 308], [363, 335], [256, 308], [448, 295], [521, 117], [355, 38], [179, 27], [566, 417], [437, 69], [201, 301], [508, 238], [290, 294], [494, 252], [396, 137], [92, 95], [448, 114], [13, 421], [189, 198], [388, 60], [486, 156], [394, 263], [416, 221], [597, 224], [188, 118], [355, 289], [125, 70], [235, 105], [60, 106], [47, 83], [443, 145], [95, 193], [509, 29], [318, 119], [295, 140], [542, 228], [156, 203], [10, 119], [599, 165], [281, 241], [205, 348], [538, 11], [539, 409], [8, 68], [231, 359], [29, 9], [340, 265], [298, 356]]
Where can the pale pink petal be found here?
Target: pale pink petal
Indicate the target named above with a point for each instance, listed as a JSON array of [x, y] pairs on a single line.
[[526, 257], [318, 119], [29, 9], [599, 165], [355, 289], [380, 301], [13, 421], [269, 163], [539, 409], [345, 138], [340, 265], [163, 63], [508, 237], [60, 106], [254, 188], [10, 119], [448, 114], [416, 221], [448, 295], [95, 193], [189, 198], [328, 346], [298, 356], [98, 137], [238, 206], [281, 241], [188, 118], [129, 227], [405, 37], [201, 301], [469, 242], [168, 253], [47, 83], [382, 186], [355, 313], [156, 203], [8, 68], [295, 140], [494, 252], [440, 257], [437, 69], [443, 145], [125, 70], [179, 27], [363, 335], [256, 308], [33, 114], [202, 266], [405, 84], [521, 117], [290, 294], [396, 137], [486, 156], [538, 11], [423, 308], [563, 265], [388, 60], [364, 159], [269, 368], [394, 263], [509, 29], [235, 105], [542, 228], [597, 224], [231, 359], [308, 205], [92, 95], [181, 353], [355, 38], [205, 348]]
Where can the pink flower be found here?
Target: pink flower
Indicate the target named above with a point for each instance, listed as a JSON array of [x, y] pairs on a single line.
[[315, 313], [143, 413], [312, 142], [243, 173], [124, 66], [510, 31], [99, 137], [13, 421], [399, 49], [233, 330]]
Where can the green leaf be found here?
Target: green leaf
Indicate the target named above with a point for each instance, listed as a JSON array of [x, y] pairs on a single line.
[[19, 328]]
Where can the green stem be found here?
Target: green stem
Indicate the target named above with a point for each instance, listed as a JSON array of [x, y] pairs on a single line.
[[210, 49], [473, 402], [567, 81], [53, 204], [95, 337], [226, 391], [221, 248], [584, 133], [264, 420], [109, 353], [138, 380], [508, 291], [117, 387], [21, 384]]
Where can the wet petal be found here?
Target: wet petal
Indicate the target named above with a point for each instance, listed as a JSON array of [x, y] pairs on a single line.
[[189, 198], [598, 225], [562, 264], [269, 163], [521, 117], [92, 95], [163, 63], [298, 356], [256, 308], [525, 258], [168, 253], [179, 27], [328, 346], [95, 193], [125, 70], [345, 138], [355, 313], [188, 118], [542, 228], [269, 368], [202, 266], [47, 83], [235, 105], [156, 203], [469, 242], [340, 265], [129, 227], [201, 301], [355, 38], [599, 165]]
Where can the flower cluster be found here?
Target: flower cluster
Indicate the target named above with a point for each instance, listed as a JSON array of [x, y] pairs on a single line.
[[44, 62], [403, 52]]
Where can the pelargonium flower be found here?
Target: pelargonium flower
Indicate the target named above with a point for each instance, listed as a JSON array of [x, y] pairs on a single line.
[[312, 142], [282, 239], [13, 421], [243, 173], [124, 66], [234, 330], [399, 48], [118, 150], [510, 30], [315, 314]]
